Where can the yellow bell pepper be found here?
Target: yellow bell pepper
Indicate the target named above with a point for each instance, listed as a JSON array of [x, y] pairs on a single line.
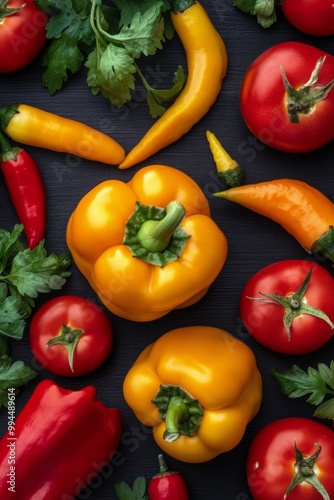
[[147, 246], [198, 387]]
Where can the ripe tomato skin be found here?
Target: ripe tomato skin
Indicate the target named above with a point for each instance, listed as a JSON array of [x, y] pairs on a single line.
[[264, 321], [93, 346], [262, 98], [22, 35], [271, 458], [313, 17]]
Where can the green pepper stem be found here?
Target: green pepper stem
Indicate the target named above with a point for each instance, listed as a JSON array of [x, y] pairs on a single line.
[[177, 412], [181, 412], [181, 5], [8, 152], [155, 235]]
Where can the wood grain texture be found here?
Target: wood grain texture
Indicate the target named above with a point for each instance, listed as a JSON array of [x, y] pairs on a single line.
[[253, 240]]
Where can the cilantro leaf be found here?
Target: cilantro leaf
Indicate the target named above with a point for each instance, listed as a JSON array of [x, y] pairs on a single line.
[[317, 383], [264, 10], [136, 492]]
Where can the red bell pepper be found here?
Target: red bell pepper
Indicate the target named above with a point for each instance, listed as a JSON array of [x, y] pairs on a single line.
[[25, 186], [57, 444], [167, 485]]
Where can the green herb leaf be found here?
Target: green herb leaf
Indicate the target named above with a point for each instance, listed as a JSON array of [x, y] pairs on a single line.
[[24, 273], [264, 10], [144, 35], [136, 492], [13, 376], [106, 37], [34, 272], [11, 320], [296, 383], [111, 73], [71, 35]]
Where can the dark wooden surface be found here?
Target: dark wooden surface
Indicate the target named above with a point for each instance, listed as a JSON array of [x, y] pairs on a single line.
[[253, 240]]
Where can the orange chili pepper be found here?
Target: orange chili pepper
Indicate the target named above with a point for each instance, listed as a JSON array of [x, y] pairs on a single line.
[[301, 209]]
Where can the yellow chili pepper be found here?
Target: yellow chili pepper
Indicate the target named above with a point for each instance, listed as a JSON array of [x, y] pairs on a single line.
[[198, 387], [207, 65], [228, 170], [305, 212], [35, 127], [162, 218]]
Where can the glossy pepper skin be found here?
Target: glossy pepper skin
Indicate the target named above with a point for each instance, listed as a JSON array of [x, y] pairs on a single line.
[[207, 64], [61, 440], [167, 485], [302, 210], [198, 387], [26, 188], [96, 234], [35, 127]]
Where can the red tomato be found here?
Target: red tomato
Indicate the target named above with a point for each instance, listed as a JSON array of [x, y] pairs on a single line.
[[263, 98], [70, 325], [22, 35], [272, 456], [264, 319], [314, 17]]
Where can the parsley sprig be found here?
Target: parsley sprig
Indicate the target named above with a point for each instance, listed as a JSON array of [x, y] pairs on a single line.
[[108, 38], [317, 383], [24, 274]]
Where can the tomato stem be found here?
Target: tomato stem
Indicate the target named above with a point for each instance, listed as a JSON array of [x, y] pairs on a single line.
[[302, 100], [306, 472], [69, 338], [294, 305]]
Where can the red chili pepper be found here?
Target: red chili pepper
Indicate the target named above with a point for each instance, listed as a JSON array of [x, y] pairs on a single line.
[[167, 485], [57, 444], [25, 186]]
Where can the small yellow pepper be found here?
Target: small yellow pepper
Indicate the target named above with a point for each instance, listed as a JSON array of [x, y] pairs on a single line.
[[228, 169], [147, 246], [198, 387], [35, 127]]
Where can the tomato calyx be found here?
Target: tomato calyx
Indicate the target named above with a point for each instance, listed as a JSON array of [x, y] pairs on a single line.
[[69, 338], [305, 98], [294, 305], [7, 11], [306, 472]]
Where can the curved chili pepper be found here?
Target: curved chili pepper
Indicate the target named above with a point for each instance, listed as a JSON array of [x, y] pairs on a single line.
[[301, 209], [26, 188], [167, 485], [207, 64], [35, 127]]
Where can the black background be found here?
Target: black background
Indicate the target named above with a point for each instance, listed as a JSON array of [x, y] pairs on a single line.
[[254, 241]]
